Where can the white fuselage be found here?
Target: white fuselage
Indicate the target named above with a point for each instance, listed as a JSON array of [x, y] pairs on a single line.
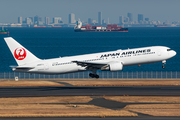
[[127, 57]]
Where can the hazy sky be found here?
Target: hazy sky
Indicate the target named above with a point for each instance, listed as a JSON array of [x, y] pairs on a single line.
[[154, 9]]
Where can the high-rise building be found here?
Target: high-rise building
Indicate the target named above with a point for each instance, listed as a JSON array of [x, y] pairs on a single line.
[[28, 21], [103, 21], [46, 20], [121, 20], [130, 15], [37, 20], [32, 19], [140, 18], [100, 18], [146, 19], [72, 18], [126, 19], [57, 20], [20, 20], [90, 20]]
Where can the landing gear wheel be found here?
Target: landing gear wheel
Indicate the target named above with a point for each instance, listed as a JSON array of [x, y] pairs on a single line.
[[163, 66], [96, 76], [93, 75]]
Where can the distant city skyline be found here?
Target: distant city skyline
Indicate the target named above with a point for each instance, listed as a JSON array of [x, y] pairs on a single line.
[[161, 10], [124, 21]]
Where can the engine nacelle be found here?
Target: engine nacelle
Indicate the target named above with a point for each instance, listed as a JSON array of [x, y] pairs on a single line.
[[114, 66]]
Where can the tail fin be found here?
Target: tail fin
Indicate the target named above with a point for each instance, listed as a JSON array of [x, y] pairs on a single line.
[[20, 53]]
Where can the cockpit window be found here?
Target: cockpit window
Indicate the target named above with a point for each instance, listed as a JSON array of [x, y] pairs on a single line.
[[168, 49]]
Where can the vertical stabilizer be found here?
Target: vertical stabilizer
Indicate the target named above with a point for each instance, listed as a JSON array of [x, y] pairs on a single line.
[[20, 53]]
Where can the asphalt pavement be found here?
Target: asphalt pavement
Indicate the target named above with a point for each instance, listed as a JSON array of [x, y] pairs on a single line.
[[90, 91]]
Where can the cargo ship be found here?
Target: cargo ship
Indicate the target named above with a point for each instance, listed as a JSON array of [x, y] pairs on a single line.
[[88, 28]]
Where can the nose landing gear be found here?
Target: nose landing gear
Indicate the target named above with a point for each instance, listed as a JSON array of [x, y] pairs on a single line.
[[163, 62]]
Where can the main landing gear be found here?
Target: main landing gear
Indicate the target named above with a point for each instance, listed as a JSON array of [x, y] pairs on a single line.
[[163, 62], [93, 75]]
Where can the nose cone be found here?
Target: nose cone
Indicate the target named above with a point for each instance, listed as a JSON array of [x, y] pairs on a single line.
[[173, 53]]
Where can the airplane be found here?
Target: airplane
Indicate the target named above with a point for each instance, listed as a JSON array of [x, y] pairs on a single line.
[[104, 61]]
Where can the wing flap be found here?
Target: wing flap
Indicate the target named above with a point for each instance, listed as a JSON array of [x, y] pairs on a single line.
[[89, 64]]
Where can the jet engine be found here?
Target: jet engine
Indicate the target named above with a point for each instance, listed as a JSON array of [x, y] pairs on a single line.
[[113, 66]]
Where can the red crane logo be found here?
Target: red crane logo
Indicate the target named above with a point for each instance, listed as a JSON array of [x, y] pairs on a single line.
[[20, 53]]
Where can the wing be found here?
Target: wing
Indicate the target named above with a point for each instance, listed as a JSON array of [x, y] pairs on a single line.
[[90, 64]]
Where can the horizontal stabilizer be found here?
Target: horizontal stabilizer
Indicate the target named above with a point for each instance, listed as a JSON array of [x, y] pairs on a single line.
[[21, 67]]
